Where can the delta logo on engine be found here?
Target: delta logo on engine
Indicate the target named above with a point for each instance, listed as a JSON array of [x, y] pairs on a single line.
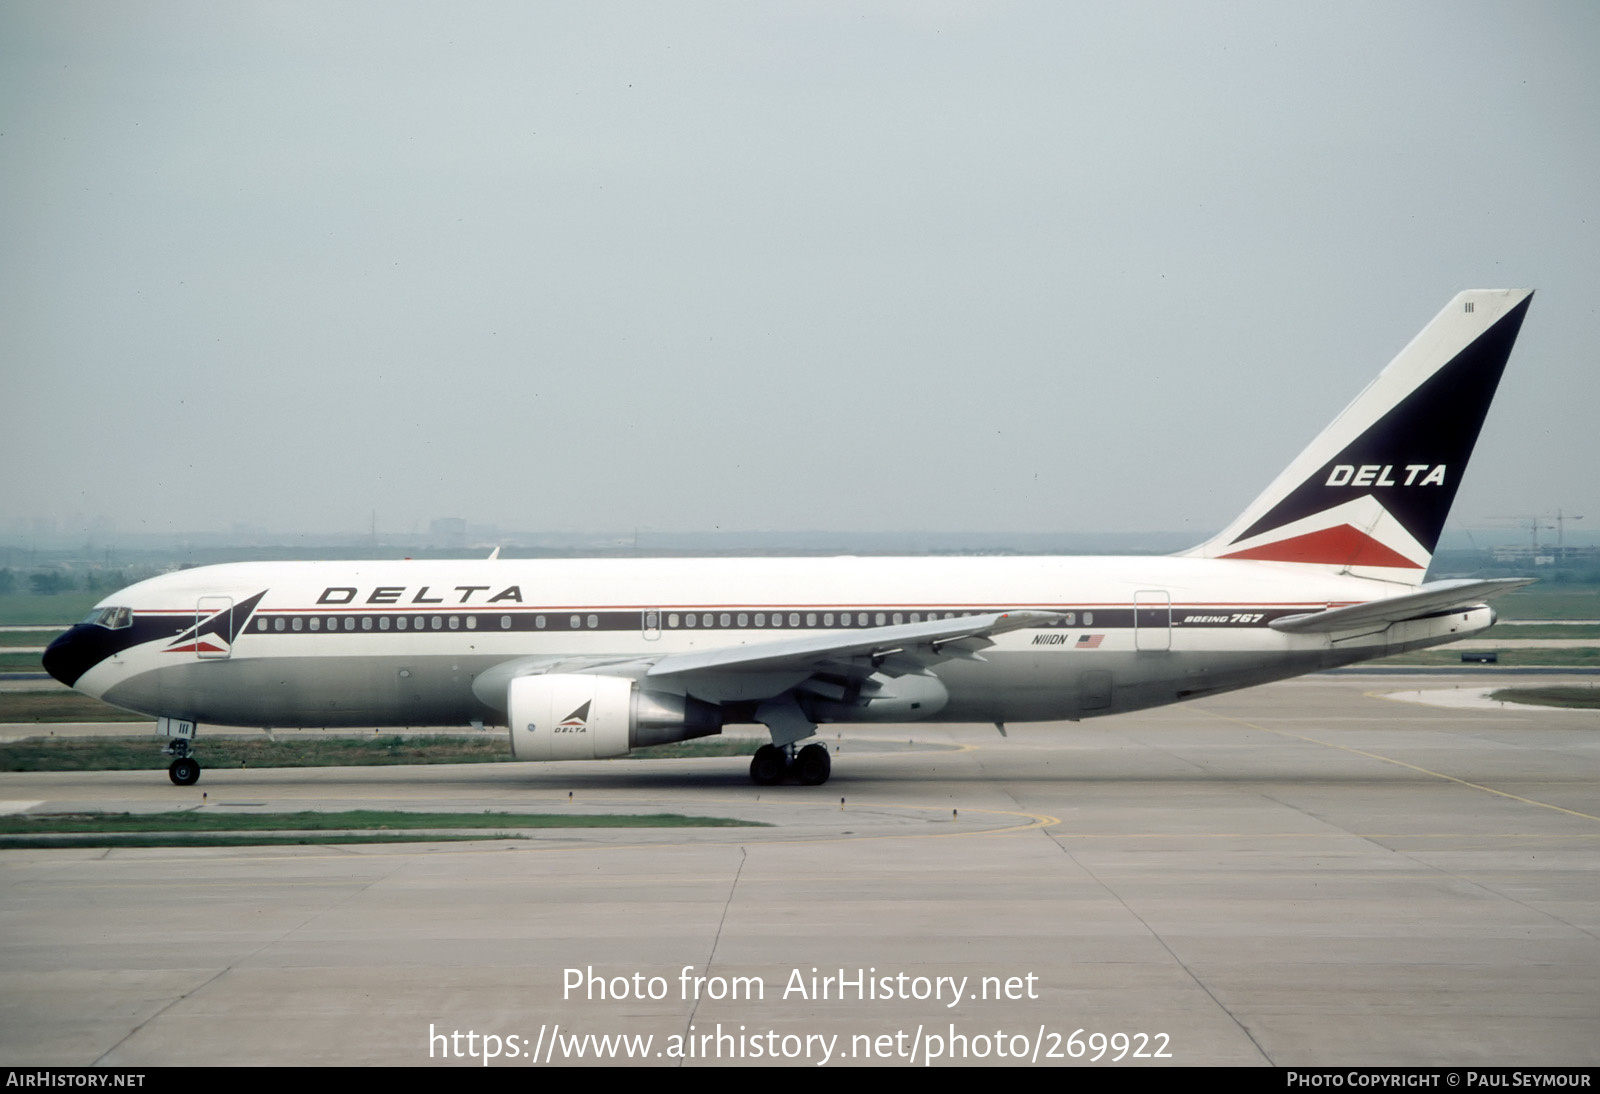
[[576, 722]]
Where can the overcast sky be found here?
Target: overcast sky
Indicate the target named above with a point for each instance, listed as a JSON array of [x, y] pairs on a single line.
[[868, 266]]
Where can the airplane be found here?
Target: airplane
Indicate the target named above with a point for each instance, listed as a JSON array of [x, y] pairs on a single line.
[[585, 659]]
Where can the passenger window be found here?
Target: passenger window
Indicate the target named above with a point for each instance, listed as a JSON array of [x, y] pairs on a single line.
[[594, 621], [349, 622], [725, 619], [811, 619], [296, 623], [366, 622], [672, 619], [505, 622], [400, 623], [383, 622], [261, 624], [794, 619], [455, 622], [1088, 619], [706, 619], [761, 619], [899, 617], [277, 624], [576, 622], [744, 619], [316, 624], [691, 620]]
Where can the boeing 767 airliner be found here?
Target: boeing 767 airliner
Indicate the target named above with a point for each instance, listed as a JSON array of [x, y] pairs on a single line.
[[585, 659]]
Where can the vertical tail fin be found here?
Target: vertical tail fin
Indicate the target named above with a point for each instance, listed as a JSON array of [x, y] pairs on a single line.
[[1370, 495]]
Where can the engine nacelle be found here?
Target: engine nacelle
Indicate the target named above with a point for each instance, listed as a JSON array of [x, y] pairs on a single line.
[[570, 716]]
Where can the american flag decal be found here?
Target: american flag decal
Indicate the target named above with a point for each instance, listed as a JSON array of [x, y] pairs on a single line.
[[1089, 641]]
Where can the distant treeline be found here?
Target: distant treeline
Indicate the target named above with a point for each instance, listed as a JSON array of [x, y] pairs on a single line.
[[1456, 563], [55, 582]]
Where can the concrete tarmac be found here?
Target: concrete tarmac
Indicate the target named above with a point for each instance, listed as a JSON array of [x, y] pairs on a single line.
[[1301, 874]]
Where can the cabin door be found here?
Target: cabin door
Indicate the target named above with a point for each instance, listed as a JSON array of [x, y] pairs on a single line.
[[1152, 620]]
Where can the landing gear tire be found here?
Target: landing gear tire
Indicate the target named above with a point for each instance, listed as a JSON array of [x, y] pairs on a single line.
[[813, 765], [768, 766], [184, 771]]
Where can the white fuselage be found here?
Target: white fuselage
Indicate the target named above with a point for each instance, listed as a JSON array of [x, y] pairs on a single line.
[[403, 643]]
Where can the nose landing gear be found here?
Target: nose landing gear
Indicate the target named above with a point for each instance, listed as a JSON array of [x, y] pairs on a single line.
[[184, 769]]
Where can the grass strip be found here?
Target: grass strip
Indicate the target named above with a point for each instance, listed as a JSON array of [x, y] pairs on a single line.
[[144, 754], [28, 638], [197, 821], [1581, 698], [60, 705], [181, 839], [1570, 657], [700, 748], [1549, 600], [1543, 630], [306, 750], [45, 707]]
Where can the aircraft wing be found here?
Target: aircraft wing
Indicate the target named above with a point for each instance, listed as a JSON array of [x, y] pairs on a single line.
[[773, 667], [892, 650], [1436, 597]]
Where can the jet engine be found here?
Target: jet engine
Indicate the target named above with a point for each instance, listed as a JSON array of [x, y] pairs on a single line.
[[569, 716]]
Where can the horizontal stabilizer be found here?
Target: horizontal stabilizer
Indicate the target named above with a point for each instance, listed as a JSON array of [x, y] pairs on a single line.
[[1435, 597]]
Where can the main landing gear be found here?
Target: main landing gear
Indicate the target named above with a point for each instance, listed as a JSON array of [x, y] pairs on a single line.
[[809, 766], [185, 769]]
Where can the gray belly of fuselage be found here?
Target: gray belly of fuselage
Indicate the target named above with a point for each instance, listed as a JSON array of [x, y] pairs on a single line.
[[426, 691], [1026, 687], [313, 692]]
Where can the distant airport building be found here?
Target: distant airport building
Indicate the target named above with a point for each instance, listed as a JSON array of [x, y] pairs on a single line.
[[448, 532], [1544, 554]]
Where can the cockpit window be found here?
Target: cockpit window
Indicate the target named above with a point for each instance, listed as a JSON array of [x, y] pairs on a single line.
[[113, 619]]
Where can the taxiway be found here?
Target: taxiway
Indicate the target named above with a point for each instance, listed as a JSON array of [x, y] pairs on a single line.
[[1307, 873]]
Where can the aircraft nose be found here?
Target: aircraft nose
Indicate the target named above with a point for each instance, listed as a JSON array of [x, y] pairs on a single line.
[[75, 653]]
